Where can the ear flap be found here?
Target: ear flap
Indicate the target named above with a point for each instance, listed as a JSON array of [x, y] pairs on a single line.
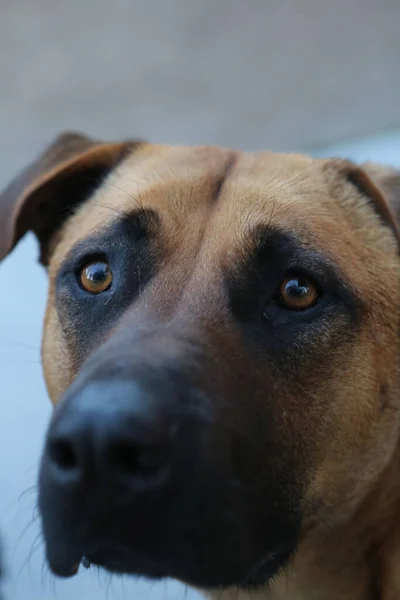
[[388, 181], [381, 185], [43, 195]]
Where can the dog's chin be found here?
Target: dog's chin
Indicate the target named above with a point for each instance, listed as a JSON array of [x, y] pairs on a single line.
[[214, 577], [125, 563], [207, 575]]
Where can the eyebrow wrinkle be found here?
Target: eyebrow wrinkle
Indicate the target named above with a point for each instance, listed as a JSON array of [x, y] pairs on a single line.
[[219, 184], [139, 221]]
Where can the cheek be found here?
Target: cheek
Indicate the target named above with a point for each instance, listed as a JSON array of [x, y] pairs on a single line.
[[56, 360], [362, 427]]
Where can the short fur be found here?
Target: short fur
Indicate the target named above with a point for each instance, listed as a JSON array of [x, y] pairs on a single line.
[[316, 406]]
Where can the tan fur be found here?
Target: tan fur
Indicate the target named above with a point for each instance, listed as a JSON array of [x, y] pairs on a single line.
[[350, 543]]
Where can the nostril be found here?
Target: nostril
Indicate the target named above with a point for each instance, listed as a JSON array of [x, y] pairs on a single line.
[[133, 459], [125, 457], [63, 455]]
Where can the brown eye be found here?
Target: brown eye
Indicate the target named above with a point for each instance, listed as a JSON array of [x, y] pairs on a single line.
[[96, 277], [298, 293]]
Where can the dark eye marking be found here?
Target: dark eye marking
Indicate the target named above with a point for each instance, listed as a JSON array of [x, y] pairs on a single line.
[[103, 275], [272, 265]]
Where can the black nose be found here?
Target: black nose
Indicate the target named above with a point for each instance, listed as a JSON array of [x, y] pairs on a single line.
[[107, 432]]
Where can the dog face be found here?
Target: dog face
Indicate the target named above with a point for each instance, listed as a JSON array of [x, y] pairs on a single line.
[[221, 347]]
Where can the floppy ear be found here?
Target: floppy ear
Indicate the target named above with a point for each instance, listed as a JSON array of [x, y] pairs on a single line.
[[48, 190], [378, 183], [388, 181]]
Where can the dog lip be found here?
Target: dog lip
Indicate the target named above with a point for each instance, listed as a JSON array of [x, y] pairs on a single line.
[[64, 569], [63, 559], [266, 568], [124, 562]]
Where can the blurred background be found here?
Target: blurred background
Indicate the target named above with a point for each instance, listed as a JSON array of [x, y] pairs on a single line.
[[307, 75]]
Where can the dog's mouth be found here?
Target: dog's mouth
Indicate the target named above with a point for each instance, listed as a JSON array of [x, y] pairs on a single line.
[[168, 539], [66, 564], [207, 523], [125, 561]]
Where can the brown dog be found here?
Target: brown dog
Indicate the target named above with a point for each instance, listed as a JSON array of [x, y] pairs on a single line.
[[221, 343]]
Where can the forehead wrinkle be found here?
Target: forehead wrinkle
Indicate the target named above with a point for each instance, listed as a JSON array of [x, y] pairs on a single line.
[[259, 179], [244, 207], [257, 194], [174, 182], [301, 203]]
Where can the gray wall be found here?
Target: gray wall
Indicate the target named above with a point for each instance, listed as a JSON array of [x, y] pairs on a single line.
[[252, 73], [261, 73]]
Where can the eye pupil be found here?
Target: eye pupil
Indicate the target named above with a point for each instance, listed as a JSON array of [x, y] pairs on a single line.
[[298, 293], [297, 288], [96, 272], [96, 277]]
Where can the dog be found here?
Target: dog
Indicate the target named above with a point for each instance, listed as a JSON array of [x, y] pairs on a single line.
[[221, 344]]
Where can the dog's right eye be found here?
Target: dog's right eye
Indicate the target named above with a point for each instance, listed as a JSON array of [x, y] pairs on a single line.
[[298, 293], [95, 277]]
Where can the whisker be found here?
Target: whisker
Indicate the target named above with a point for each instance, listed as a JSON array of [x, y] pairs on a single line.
[[136, 200], [22, 496], [9, 343], [36, 513], [120, 213], [19, 361], [45, 571], [54, 587], [122, 580], [36, 545], [108, 587], [19, 539]]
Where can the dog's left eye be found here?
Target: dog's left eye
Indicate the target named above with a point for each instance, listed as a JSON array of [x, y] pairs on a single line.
[[96, 277], [297, 292]]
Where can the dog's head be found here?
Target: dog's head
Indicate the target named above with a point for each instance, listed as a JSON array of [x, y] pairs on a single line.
[[221, 344]]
